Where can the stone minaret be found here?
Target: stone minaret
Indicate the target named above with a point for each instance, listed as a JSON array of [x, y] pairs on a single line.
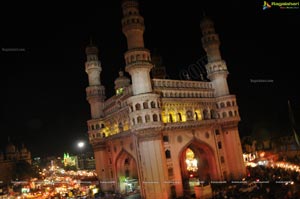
[[216, 67], [95, 92], [144, 104], [145, 107], [226, 103], [137, 58]]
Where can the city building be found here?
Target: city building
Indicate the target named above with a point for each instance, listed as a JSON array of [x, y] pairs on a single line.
[[157, 135], [278, 148], [70, 161], [84, 161], [9, 159], [286, 147]]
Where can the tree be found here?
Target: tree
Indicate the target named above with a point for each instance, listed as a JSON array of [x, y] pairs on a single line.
[[70, 168], [24, 171]]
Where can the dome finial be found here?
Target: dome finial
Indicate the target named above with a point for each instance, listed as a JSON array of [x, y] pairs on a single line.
[[121, 73], [91, 41]]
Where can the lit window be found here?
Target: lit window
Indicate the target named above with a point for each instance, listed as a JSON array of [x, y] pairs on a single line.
[[196, 116], [120, 91], [170, 118], [179, 117]]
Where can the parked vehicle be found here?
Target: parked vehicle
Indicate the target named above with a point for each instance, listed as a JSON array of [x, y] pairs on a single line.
[[248, 187]]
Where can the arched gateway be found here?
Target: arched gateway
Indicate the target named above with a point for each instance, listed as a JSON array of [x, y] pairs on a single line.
[[127, 175], [144, 131], [198, 163]]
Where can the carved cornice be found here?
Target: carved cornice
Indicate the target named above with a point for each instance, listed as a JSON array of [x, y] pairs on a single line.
[[119, 135], [166, 83], [99, 145], [122, 111], [149, 134], [229, 125], [142, 97], [187, 103], [146, 126], [231, 122], [226, 97], [189, 124]]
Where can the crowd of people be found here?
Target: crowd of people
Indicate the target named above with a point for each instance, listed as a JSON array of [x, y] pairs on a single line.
[[270, 183]]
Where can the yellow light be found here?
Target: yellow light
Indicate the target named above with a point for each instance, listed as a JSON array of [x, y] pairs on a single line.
[[120, 91], [171, 117], [95, 190], [164, 117], [189, 154], [115, 129], [192, 163], [183, 116], [126, 127]]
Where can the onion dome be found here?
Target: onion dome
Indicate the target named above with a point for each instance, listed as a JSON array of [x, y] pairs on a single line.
[[10, 148], [122, 81], [23, 149]]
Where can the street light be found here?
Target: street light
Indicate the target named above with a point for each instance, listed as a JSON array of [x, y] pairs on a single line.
[[81, 146]]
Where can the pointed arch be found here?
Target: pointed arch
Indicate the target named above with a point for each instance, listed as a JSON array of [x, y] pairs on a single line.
[[170, 118], [147, 118], [138, 106], [145, 105], [179, 117], [139, 120], [206, 157], [206, 114], [196, 116], [213, 114], [153, 104], [155, 118], [222, 105], [125, 167]]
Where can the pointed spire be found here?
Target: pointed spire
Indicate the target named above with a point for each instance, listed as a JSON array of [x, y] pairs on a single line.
[[91, 41], [121, 73], [91, 47]]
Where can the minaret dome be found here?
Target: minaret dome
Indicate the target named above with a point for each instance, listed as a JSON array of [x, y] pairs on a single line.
[[121, 82]]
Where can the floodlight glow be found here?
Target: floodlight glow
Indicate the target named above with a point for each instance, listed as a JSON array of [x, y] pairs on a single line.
[[80, 144]]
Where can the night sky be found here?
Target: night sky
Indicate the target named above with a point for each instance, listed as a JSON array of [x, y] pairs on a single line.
[[43, 82]]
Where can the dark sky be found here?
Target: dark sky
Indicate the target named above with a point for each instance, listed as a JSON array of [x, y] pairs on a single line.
[[43, 83]]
